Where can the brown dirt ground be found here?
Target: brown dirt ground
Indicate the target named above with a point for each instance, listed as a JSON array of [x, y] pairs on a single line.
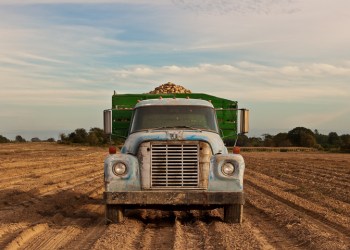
[[50, 198]]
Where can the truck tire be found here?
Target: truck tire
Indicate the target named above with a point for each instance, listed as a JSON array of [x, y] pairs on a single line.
[[233, 213], [114, 214]]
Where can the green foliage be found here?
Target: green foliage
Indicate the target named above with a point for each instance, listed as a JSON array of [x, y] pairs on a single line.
[[321, 139], [281, 140], [78, 136], [345, 145], [97, 137], [302, 137], [242, 141], [94, 137], [297, 137], [3, 139], [20, 139], [255, 142], [334, 139]]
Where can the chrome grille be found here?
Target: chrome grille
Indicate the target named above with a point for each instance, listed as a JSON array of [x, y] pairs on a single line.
[[174, 165]]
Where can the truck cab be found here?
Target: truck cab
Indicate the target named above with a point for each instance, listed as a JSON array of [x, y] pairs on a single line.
[[174, 158]]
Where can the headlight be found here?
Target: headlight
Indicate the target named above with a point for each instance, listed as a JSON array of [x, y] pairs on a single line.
[[228, 168], [119, 168]]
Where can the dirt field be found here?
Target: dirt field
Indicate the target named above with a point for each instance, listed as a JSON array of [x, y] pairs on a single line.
[[50, 198]]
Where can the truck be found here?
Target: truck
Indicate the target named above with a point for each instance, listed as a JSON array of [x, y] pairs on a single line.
[[174, 156]]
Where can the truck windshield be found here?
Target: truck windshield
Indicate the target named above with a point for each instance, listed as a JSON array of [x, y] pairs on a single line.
[[167, 117]]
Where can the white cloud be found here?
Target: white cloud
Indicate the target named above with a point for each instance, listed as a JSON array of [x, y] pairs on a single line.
[[252, 81], [245, 6]]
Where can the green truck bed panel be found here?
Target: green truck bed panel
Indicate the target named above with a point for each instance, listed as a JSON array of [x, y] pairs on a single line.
[[122, 105]]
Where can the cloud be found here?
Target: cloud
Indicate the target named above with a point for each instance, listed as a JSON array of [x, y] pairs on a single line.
[[252, 81], [248, 81], [242, 6]]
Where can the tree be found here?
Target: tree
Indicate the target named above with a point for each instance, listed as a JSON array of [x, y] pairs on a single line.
[[20, 139], [78, 136], [242, 140], [334, 139], [64, 138], [345, 139], [302, 137], [268, 140], [281, 140], [35, 139], [51, 140], [3, 139], [345, 147], [307, 140], [100, 135], [92, 139], [255, 142], [321, 139]]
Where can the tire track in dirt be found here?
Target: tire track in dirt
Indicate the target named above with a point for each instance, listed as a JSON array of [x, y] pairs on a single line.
[[268, 233], [308, 229], [34, 164], [336, 206], [81, 236], [325, 187], [158, 230], [87, 238], [26, 236], [49, 175], [318, 176], [303, 230], [36, 194], [331, 220], [8, 233], [52, 238], [233, 236], [190, 233], [124, 235]]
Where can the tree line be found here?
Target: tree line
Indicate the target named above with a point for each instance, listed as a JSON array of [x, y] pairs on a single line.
[[94, 137], [19, 138], [297, 137]]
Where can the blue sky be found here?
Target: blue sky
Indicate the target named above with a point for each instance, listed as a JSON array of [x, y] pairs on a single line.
[[288, 61]]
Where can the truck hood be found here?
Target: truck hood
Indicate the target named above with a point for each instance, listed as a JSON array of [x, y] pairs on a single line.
[[132, 143]]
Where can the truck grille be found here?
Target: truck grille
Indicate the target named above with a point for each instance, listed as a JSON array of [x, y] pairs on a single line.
[[174, 165]]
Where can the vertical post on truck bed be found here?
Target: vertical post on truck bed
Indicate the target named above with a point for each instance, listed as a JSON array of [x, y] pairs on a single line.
[[244, 121], [107, 123]]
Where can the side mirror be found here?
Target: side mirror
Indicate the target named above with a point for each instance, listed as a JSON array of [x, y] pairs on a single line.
[[107, 121], [244, 121]]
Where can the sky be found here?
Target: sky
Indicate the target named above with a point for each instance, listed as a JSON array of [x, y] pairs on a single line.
[[287, 61]]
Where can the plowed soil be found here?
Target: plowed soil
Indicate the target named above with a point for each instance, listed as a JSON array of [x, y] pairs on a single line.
[[51, 198]]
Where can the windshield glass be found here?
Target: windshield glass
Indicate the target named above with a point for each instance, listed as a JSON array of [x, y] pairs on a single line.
[[167, 117]]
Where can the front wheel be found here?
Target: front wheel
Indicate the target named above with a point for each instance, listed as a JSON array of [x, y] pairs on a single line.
[[233, 213], [114, 213]]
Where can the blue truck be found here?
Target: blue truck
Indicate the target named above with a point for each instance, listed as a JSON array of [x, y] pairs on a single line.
[[174, 156]]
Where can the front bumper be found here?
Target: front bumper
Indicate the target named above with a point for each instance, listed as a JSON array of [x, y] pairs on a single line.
[[173, 198]]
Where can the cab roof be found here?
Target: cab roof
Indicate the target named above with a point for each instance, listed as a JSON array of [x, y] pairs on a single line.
[[173, 101]]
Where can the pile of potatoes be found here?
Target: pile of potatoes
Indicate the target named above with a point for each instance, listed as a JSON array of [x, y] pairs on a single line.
[[169, 88]]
